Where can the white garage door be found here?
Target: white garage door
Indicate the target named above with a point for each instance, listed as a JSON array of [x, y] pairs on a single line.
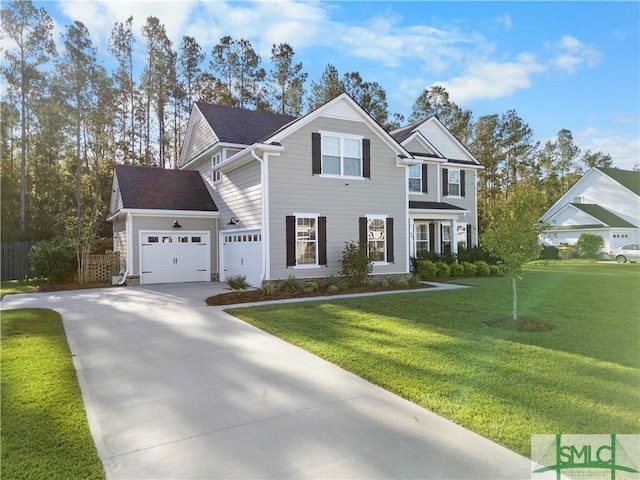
[[171, 257], [242, 255]]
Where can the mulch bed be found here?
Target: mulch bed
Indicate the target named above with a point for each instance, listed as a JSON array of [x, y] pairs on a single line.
[[248, 296]]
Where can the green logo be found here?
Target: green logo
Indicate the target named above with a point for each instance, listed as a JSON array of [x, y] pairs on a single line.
[[606, 457]]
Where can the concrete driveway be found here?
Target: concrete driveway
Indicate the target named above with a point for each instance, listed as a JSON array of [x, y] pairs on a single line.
[[175, 389]]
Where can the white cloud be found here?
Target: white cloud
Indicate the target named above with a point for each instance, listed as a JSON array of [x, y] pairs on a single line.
[[624, 149], [505, 20], [571, 54], [489, 79]]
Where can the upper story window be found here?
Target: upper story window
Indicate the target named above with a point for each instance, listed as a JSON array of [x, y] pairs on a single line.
[[215, 161], [453, 182], [342, 155], [415, 178]]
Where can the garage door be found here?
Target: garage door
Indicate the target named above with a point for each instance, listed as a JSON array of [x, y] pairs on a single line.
[[242, 255], [170, 257]]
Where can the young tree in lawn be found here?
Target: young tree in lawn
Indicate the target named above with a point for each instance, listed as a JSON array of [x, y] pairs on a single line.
[[512, 233], [29, 31], [328, 87], [289, 80]]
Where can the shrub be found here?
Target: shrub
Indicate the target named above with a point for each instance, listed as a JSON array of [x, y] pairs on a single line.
[[589, 245], [356, 266], [413, 279], [402, 282], [333, 288], [268, 287], [290, 285], [470, 269], [384, 283], [332, 280], [310, 287], [495, 270], [238, 282], [443, 269], [482, 268], [54, 259], [426, 269], [549, 252], [457, 270]]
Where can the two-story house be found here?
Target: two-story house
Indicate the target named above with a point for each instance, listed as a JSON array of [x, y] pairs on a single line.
[[286, 194], [604, 202]]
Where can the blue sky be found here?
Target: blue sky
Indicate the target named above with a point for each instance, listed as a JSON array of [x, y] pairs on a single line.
[[572, 65]]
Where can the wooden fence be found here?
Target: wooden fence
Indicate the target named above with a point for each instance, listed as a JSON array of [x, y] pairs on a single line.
[[15, 260]]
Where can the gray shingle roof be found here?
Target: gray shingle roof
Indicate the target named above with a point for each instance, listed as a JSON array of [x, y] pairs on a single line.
[[242, 126], [162, 189], [402, 133], [603, 215], [626, 178], [433, 206]]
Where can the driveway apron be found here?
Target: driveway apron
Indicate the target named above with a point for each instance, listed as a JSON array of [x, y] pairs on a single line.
[[175, 389]]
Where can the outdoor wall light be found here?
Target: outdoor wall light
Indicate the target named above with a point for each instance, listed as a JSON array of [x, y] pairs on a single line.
[[233, 221], [176, 224]]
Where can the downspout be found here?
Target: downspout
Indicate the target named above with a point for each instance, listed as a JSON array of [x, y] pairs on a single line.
[[128, 227], [265, 211]]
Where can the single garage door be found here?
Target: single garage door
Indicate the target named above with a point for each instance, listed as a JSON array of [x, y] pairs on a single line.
[[242, 255], [170, 257]]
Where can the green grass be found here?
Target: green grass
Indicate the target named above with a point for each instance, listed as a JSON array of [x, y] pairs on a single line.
[[435, 349], [44, 426], [17, 286]]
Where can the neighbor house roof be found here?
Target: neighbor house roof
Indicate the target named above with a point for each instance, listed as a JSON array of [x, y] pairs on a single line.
[[242, 126], [603, 215], [626, 178], [161, 189]]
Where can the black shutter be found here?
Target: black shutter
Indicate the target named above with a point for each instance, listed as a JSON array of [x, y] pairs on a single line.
[[322, 240], [432, 237], [425, 171], [389, 233], [366, 158], [316, 153], [469, 239], [462, 183], [362, 222], [445, 182], [291, 240]]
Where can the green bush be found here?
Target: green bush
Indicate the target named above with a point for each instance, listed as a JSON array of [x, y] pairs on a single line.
[[268, 287], [310, 287], [290, 285], [333, 288], [332, 280], [413, 279], [470, 270], [549, 252], [402, 282], [482, 268], [356, 266], [589, 245], [443, 269], [426, 269], [54, 259], [457, 270], [495, 270], [384, 283], [238, 282]]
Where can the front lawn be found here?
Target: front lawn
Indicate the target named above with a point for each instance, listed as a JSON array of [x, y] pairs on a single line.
[[44, 426], [435, 349], [17, 286]]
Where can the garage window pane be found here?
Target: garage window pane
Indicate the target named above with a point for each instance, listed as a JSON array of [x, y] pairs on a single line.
[[196, 239], [183, 239], [152, 239], [167, 239], [306, 241]]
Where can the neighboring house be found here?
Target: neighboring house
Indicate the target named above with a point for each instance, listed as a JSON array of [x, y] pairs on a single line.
[[288, 193], [605, 202]]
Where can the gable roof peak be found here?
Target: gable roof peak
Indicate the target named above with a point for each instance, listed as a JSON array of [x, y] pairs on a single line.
[[627, 178]]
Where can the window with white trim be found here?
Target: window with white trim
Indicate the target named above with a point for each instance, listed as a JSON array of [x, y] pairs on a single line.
[[376, 239], [215, 161], [454, 182], [306, 240], [341, 155], [415, 178]]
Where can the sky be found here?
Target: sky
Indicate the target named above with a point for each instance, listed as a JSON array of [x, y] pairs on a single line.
[[559, 65]]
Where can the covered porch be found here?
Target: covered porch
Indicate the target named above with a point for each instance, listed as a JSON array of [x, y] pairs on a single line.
[[438, 227]]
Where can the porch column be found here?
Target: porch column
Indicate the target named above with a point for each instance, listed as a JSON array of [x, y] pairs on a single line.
[[454, 236]]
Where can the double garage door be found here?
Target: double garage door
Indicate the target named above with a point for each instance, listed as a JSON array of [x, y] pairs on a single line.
[[171, 257]]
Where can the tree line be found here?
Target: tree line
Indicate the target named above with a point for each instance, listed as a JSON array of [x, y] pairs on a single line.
[[67, 120]]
